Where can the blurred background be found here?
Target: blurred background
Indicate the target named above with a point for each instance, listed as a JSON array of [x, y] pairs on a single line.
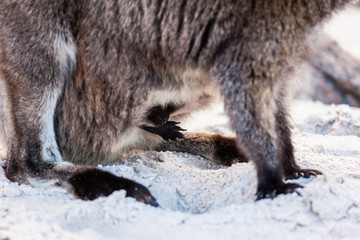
[[331, 72]]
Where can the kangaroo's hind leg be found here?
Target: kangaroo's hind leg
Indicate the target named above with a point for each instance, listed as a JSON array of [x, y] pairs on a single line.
[[251, 87]]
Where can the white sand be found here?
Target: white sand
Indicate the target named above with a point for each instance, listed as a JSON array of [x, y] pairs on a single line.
[[201, 200]]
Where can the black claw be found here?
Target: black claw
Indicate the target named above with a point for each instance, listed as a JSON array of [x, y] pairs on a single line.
[[272, 192], [297, 192], [168, 131]]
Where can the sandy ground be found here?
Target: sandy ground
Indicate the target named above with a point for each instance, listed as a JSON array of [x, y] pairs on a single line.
[[201, 200]]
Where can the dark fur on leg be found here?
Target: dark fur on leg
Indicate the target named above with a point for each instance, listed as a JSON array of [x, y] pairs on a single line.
[[226, 151], [254, 120], [215, 147], [290, 168], [89, 184]]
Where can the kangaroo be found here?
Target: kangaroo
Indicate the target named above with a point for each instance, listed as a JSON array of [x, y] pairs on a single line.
[[83, 82]]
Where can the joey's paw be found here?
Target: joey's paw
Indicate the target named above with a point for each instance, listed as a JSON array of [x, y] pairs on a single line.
[[267, 191], [226, 151], [92, 183], [172, 131], [306, 173], [168, 131]]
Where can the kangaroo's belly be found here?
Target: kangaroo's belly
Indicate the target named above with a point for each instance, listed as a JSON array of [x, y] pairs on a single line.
[[196, 92], [97, 126]]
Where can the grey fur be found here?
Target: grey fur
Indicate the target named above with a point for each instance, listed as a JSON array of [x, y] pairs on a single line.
[[87, 73]]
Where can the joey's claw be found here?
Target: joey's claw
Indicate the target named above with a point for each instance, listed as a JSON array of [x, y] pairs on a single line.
[[173, 125], [272, 192], [168, 131]]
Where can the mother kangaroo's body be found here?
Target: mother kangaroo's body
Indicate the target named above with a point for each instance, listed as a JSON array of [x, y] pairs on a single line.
[[86, 81]]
